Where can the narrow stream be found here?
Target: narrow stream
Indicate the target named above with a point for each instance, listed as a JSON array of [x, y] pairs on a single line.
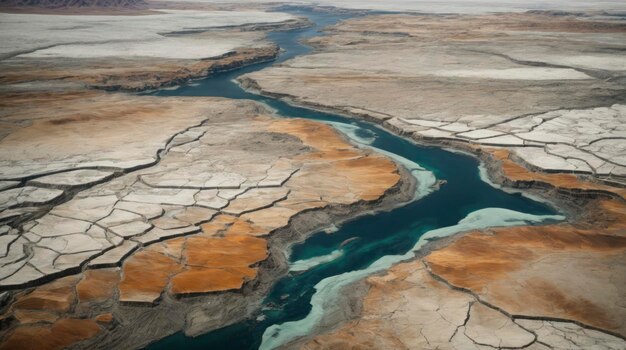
[[322, 264]]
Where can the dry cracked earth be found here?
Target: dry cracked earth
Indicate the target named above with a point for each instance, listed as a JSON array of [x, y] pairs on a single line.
[[194, 219], [550, 88], [558, 286], [117, 209], [541, 98]]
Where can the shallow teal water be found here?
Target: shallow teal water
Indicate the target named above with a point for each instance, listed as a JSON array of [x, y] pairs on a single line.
[[383, 234]]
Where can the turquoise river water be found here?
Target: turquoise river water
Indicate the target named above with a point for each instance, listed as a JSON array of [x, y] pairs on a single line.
[[320, 265]]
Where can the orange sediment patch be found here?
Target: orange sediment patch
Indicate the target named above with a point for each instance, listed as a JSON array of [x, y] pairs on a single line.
[[336, 171], [328, 144], [369, 177], [214, 264], [241, 227], [59, 335], [104, 318], [40, 316], [229, 251], [34, 316], [205, 280], [97, 285], [492, 255], [217, 225], [56, 296], [271, 218], [191, 265], [555, 271], [316, 135], [516, 172], [145, 275]]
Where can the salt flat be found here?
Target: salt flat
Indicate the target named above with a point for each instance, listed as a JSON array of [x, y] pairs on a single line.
[[103, 36], [527, 81]]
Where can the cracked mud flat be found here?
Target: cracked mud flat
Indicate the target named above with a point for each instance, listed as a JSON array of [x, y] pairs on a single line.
[[127, 218], [558, 286], [466, 82], [175, 227], [52, 227], [164, 48], [409, 309], [221, 211], [550, 88]]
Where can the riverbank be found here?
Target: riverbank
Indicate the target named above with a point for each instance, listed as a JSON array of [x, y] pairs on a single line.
[[522, 101], [499, 287], [503, 168], [195, 232], [72, 49], [278, 333], [589, 206], [594, 201], [205, 312], [170, 211], [218, 230]]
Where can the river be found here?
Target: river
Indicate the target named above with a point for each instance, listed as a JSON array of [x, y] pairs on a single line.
[[324, 262]]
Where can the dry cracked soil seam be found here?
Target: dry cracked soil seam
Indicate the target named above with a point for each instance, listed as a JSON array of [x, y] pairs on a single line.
[[513, 317]]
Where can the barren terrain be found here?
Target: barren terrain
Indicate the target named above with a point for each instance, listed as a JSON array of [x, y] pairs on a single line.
[[126, 218], [107, 237], [548, 92]]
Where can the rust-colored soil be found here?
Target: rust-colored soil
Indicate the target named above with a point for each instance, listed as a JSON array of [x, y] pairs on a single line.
[[517, 173], [223, 256], [60, 335], [56, 296], [556, 271], [97, 285], [146, 274]]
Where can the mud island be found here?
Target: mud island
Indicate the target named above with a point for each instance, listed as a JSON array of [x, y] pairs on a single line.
[[299, 175]]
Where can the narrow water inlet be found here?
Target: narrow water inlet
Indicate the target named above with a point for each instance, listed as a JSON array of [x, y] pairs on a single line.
[[464, 202]]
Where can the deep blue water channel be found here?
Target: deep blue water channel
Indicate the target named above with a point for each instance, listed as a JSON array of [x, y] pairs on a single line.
[[386, 233]]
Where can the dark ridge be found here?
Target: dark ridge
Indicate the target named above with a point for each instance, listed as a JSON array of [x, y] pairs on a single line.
[[558, 13], [73, 3]]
